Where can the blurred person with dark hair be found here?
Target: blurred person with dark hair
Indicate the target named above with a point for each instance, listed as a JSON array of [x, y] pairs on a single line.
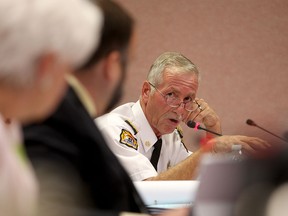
[[39, 43], [107, 65], [78, 173]]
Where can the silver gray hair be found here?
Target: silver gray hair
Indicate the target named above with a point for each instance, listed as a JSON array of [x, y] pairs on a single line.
[[171, 62], [30, 28]]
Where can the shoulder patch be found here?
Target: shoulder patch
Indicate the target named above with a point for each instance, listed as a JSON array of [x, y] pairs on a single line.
[[128, 139]]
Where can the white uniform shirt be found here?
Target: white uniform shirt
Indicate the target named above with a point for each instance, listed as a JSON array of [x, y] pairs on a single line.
[[131, 138], [18, 185]]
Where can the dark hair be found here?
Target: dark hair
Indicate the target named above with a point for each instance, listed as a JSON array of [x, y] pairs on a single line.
[[116, 32]]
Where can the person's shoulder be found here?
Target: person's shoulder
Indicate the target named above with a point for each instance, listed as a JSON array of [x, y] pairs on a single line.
[[117, 116], [40, 133], [124, 109]]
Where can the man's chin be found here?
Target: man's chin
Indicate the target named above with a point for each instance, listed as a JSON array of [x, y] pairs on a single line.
[[169, 129]]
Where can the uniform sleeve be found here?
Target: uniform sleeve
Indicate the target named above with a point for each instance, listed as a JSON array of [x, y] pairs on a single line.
[[123, 142]]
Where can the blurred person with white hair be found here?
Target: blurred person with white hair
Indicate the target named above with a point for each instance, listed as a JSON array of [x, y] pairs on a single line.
[[78, 173], [40, 42]]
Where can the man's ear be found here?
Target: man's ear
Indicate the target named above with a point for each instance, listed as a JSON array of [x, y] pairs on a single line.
[[146, 89], [112, 65], [44, 73]]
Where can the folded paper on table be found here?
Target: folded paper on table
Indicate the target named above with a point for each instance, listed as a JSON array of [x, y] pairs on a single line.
[[167, 194]]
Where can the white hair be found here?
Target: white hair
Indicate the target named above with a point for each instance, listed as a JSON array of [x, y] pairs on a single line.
[[172, 62], [30, 28]]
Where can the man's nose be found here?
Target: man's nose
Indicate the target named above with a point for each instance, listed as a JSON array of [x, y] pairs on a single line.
[[180, 110]]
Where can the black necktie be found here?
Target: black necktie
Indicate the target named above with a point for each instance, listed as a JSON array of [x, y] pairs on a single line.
[[156, 153]]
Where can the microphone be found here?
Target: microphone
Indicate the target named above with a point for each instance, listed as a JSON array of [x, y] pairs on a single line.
[[234, 147], [252, 123], [196, 126]]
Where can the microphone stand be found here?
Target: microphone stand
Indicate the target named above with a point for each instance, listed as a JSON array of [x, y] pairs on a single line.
[[197, 126], [252, 123]]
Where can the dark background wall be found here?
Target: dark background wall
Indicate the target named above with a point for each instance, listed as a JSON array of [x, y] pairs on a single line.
[[239, 46]]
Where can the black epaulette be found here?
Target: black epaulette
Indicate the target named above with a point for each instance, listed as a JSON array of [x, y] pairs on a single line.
[[180, 132], [132, 126]]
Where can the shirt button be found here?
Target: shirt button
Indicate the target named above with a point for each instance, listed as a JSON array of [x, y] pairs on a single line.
[[147, 144]]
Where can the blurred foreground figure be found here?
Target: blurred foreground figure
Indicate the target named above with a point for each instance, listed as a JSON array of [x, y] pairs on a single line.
[[78, 173], [39, 42], [251, 187]]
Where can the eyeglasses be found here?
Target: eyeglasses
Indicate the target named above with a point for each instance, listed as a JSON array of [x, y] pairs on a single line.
[[171, 100]]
